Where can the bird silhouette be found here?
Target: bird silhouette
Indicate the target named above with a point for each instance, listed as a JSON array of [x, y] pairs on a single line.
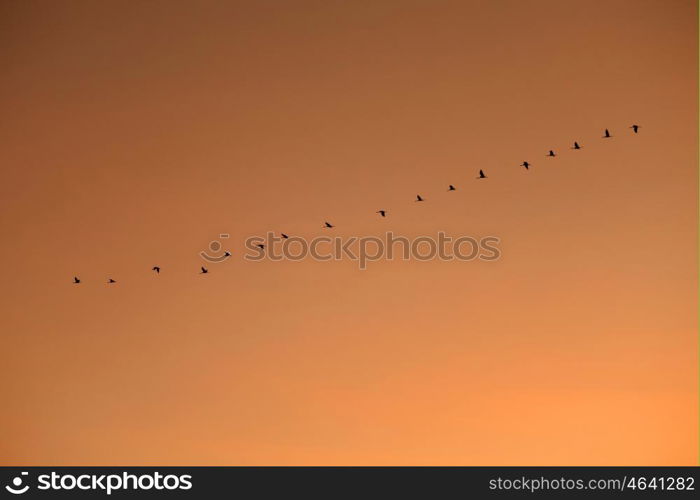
[[383, 213]]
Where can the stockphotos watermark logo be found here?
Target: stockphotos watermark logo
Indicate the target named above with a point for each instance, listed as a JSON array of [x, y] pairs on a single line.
[[361, 249], [18, 487], [105, 483]]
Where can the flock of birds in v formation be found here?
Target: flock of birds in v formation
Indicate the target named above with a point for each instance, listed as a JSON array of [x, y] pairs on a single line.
[[382, 213]]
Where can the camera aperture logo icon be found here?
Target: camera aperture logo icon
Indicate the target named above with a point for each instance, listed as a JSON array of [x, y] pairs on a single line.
[[215, 247], [16, 489]]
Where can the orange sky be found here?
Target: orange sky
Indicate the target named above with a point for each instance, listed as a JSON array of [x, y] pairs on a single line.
[[134, 133]]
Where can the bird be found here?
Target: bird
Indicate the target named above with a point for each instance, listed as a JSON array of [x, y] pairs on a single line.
[[260, 246], [419, 198]]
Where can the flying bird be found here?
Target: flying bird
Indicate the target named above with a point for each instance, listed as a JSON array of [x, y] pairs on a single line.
[[481, 175], [418, 198], [111, 281], [284, 236], [381, 212], [76, 280], [526, 165], [576, 146], [204, 270], [551, 153], [328, 225], [451, 188], [607, 134], [156, 269], [635, 128], [227, 254]]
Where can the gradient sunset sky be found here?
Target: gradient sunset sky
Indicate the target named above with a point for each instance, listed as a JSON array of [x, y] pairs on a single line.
[[134, 133]]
